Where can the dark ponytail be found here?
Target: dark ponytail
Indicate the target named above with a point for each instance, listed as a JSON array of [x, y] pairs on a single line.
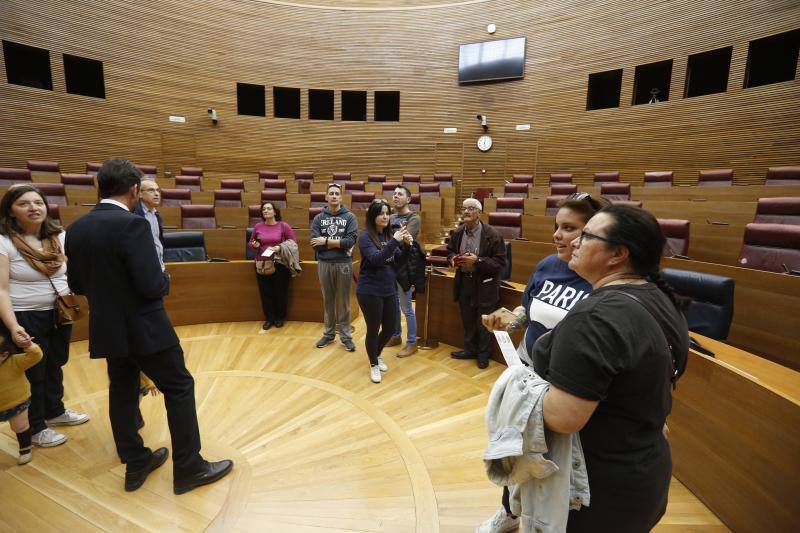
[[680, 302]]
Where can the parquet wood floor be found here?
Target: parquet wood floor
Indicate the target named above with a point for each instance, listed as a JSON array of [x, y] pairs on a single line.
[[317, 446]]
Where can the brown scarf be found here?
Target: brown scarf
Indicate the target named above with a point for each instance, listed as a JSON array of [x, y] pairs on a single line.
[[47, 261]]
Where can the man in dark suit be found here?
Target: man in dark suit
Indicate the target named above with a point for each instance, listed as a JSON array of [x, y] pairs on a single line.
[[112, 260], [479, 253]]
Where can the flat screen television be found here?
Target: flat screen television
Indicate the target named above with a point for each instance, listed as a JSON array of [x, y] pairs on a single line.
[[491, 60]]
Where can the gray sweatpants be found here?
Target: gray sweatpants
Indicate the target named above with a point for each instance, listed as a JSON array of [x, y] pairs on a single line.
[[335, 279]]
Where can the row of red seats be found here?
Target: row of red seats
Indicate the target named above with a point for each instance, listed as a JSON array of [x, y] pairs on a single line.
[[789, 175]]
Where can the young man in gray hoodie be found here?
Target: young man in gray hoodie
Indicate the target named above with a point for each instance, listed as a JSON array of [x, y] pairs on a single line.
[[333, 235]]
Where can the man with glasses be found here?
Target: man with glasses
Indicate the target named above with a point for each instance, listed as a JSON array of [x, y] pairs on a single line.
[[149, 200], [479, 254]]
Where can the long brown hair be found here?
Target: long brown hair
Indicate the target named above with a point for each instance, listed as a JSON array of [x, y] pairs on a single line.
[[9, 225]]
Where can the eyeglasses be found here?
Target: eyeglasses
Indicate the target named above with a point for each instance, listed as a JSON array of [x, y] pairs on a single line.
[[586, 234], [469, 208]]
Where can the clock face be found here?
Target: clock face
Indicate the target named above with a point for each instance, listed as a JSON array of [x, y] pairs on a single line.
[[484, 143]]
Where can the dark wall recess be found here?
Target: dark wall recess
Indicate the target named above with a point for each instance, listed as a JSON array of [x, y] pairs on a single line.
[[286, 102], [354, 105], [250, 99], [27, 65], [772, 59], [707, 72], [320, 104], [651, 82], [387, 106], [604, 89], [84, 76]]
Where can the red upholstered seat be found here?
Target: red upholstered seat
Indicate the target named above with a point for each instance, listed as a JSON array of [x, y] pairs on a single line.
[[510, 205], [414, 203], [175, 197], [516, 190], [55, 192], [43, 166], [361, 200], [341, 177], [318, 199], [54, 212], [481, 193], [444, 179], [411, 178], [522, 178], [720, 177], [783, 176], [353, 186], [629, 203], [772, 247], [658, 179], [274, 184], [267, 175], [303, 179], [438, 256], [390, 185], [509, 225], [312, 212], [253, 215], [92, 168], [563, 189], [231, 184], [677, 234], [430, 189], [148, 171], [551, 204], [276, 196], [778, 211], [10, 176], [560, 178], [606, 177], [198, 217], [78, 181], [376, 178], [191, 171], [191, 183], [616, 191], [227, 198]]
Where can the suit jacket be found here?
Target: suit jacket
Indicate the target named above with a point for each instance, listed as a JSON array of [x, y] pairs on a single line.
[[491, 260], [139, 210], [111, 258]]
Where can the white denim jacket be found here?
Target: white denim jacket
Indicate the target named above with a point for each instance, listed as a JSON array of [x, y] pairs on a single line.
[[544, 470]]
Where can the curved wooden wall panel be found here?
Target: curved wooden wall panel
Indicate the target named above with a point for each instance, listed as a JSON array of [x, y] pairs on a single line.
[[162, 59]]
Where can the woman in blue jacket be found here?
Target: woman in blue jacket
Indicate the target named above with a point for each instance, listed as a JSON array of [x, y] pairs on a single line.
[[553, 289], [375, 290]]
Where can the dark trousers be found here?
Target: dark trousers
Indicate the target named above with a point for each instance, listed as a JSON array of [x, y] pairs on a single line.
[[477, 339], [169, 373], [380, 312], [46, 377], [274, 291]]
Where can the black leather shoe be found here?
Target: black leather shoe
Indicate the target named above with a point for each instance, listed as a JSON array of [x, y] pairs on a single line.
[[279, 323], [483, 362], [461, 354], [266, 325], [134, 480], [211, 473]]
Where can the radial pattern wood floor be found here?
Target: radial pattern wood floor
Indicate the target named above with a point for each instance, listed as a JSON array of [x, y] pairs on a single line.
[[317, 446]]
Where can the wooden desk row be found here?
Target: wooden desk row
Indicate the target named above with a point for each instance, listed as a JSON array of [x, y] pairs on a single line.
[[734, 428], [765, 318]]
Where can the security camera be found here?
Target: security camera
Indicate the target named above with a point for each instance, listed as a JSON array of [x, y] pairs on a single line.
[[213, 114], [484, 121]]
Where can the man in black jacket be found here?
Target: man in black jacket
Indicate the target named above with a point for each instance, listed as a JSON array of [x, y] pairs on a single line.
[[480, 255], [112, 260]]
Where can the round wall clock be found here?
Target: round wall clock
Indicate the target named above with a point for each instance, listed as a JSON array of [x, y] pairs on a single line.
[[484, 143]]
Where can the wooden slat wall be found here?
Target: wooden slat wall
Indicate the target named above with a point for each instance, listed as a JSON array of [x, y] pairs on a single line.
[[161, 58]]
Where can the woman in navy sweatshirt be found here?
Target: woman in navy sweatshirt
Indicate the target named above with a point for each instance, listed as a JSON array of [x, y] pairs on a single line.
[[375, 289]]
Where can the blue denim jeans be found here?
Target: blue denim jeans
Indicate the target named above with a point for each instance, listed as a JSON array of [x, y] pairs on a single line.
[[404, 302]]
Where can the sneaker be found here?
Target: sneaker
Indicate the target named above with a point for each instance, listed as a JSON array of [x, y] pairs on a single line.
[[324, 341], [348, 344], [499, 523], [394, 341], [24, 458], [408, 349], [47, 438], [381, 365], [375, 374], [68, 418]]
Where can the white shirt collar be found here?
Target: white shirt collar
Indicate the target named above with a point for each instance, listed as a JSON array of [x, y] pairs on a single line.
[[114, 202]]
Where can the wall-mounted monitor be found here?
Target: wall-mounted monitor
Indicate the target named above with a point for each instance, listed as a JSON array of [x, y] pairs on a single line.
[[491, 60]]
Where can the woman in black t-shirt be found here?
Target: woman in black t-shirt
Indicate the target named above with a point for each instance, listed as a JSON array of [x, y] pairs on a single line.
[[610, 364]]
